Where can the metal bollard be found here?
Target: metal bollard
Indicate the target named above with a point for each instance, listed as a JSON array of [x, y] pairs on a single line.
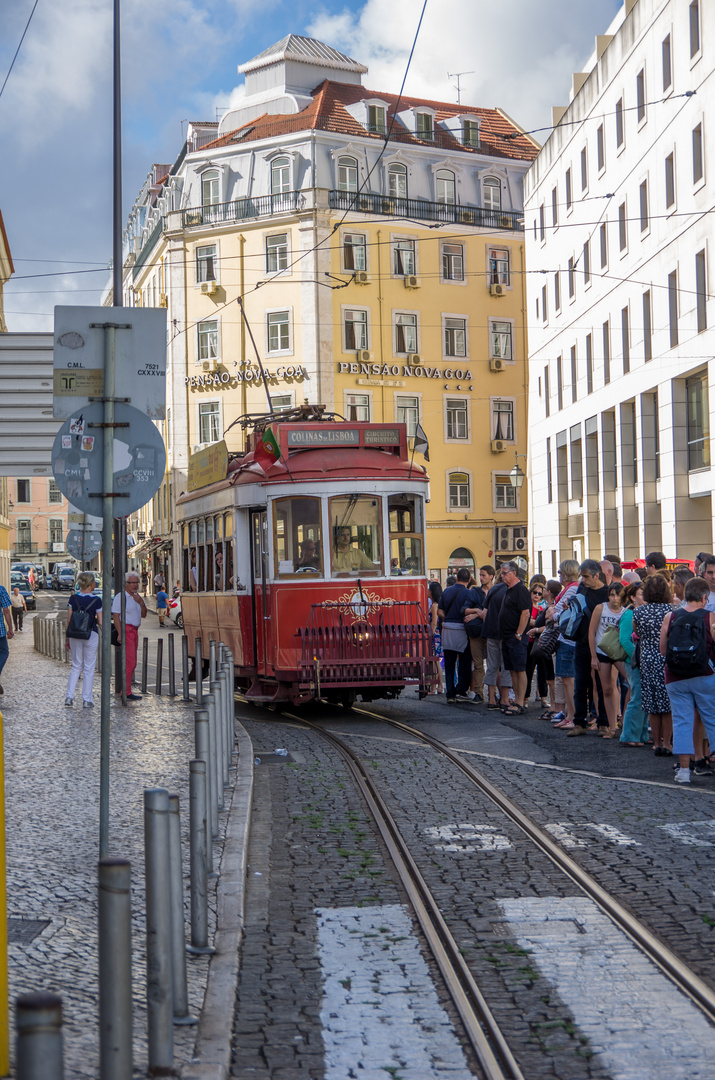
[[185, 668], [202, 744], [214, 706], [158, 931], [38, 1022], [199, 672], [232, 692], [159, 665], [115, 970], [180, 994], [145, 663], [197, 862], [212, 661], [172, 672], [226, 746], [216, 788], [220, 720]]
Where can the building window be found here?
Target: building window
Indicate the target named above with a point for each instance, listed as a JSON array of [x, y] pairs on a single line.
[[446, 187], [694, 28], [457, 424], [587, 262], [357, 407], [503, 420], [619, 122], [455, 337], [408, 412], [696, 393], [572, 278], [697, 153], [504, 493], [280, 175], [647, 327], [278, 331], [547, 392], [589, 364], [557, 291], [600, 148], [206, 263], [673, 308], [425, 126], [453, 262], [584, 169], [498, 266], [209, 421], [281, 403], [209, 189], [470, 132], [555, 207], [559, 382], [622, 228], [544, 304], [405, 333], [644, 205], [700, 291], [626, 340], [376, 119], [604, 246], [542, 226], [569, 195], [56, 530], [24, 534], [403, 258], [549, 480], [276, 253], [54, 495], [670, 181], [667, 66], [606, 352], [397, 181], [640, 95], [347, 174], [459, 491], [208, 341], [355, 323], [23, 491], [574, 375], [354, 251], [500, 333]]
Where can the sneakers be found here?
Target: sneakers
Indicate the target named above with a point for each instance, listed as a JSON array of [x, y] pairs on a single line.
[[702, 767], [69, 703], [87, 704], [576, 730], [134, 697], [682, 776], [464, 697], [558, 717]]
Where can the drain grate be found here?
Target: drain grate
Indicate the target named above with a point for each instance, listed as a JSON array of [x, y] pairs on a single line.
[[24, 931], [270, 758]]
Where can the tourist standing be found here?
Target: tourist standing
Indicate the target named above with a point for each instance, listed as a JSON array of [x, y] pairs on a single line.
[[135, 612], [83, 652], [455, 643], [19, 607]]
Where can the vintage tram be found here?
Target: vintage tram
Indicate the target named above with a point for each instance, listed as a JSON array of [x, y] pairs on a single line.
[[308, 559]]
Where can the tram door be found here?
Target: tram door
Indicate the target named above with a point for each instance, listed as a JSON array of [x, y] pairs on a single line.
[[259, 567]]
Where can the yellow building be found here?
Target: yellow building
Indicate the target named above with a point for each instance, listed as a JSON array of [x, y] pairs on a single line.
[[368, 250]]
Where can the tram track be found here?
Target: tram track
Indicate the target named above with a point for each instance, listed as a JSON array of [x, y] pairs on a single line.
[[490, 1046]]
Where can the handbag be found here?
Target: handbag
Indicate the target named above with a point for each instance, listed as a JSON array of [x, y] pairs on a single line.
[[81, 623], [114, 637], [546, 643], [610, 645]]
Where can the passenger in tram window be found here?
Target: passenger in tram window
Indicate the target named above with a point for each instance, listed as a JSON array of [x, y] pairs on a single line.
[[346, 557], [309, 558], [395, 568], [193, 576], [218, 585]]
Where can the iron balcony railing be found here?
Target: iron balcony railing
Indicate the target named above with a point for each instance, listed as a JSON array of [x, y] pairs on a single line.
[[422, 210], [24, 547], [243, 209]]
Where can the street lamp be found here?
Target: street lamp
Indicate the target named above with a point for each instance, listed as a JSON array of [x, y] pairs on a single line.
[[517, 476]]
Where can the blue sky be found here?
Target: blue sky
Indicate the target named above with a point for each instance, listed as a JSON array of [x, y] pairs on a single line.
[[179, 63]]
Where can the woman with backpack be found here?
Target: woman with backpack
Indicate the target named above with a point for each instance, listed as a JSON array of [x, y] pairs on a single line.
[[565, 650], [647, 624], [605, 617], [84, 616], [686, 643]]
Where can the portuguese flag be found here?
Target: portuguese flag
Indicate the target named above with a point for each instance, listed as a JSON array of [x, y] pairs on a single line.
[[267, 450]]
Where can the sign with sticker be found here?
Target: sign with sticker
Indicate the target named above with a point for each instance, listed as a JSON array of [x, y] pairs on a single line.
[[88, 443]]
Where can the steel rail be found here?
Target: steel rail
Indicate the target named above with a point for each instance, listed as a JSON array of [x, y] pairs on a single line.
[[489, 1045], [679, 973]]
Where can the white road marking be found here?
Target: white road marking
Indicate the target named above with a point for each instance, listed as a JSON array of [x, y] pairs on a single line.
[[684, 831], [484, 836], [380, 1012], [639, 1026], [560, 831], [610, 832]]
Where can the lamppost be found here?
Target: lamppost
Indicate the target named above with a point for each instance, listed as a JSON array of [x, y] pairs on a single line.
[[517, 476]]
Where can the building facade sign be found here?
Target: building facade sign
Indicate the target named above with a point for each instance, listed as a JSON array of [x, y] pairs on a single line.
[[226, 380], [419, 371]]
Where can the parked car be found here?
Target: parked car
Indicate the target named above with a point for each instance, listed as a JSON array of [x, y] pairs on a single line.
[[63, 578], [175, 611], [18, 580], [40, 577], [24, 568]]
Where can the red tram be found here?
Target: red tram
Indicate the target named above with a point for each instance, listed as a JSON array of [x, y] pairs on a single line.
[[311, 567]]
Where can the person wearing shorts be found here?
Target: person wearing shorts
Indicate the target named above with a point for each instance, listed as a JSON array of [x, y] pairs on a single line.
[[513, 621]]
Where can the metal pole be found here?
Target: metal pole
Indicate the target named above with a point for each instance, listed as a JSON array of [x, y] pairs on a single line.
[[232, 711], [216, 786], [180, 994], [185, 668], [145, 663], [202, 744], [226, 747], [172, 671], [198, 863], [199, 672], [214, 706], [115, 970], [159, 664], [107, 522], [158, 931], [120, 558], [212, 661], [38, 1022]]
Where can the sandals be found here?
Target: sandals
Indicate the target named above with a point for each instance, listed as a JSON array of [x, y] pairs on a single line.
[[550, 714], [514, 710], [608, 734]]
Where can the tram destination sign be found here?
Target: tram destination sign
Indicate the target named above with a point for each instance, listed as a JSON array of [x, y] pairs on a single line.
[[377, 436]]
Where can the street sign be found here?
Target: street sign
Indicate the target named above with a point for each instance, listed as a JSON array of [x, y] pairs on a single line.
[[139, 358], [83, 545], [78, 460]]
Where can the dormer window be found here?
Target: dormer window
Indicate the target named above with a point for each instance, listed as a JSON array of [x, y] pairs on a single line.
[[492, 193], [470, 132], [446, 187], [347, 174], [376, 119], [280, 175], [209, 189], [397, 181], [425, 126]]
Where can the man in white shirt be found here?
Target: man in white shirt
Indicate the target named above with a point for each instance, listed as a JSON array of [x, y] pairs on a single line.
[[135, 612], [708, 572]]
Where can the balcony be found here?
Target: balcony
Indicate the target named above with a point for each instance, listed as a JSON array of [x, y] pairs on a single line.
[[24, 547], [422, 210], [243, 209]]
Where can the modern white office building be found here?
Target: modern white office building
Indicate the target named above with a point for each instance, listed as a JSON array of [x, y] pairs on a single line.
[[619, 219]]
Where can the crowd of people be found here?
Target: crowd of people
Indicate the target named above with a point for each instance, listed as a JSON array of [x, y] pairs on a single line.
[[628, 654]]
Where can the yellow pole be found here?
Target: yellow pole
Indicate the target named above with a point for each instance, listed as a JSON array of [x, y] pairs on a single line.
[[4, 1005]]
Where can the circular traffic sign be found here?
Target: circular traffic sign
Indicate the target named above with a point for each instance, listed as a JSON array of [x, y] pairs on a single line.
[[78, 459], [83, 545]]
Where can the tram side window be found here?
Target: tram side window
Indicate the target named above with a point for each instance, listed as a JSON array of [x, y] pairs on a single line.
[[201, 556], [218, 582], [356, 545], [406, 535], [298, 537], [193, 558]]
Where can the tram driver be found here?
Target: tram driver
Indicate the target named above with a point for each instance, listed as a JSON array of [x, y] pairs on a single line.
[[347, 558]]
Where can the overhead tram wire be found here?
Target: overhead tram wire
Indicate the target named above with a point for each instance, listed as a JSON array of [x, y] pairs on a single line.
[[17, 50]]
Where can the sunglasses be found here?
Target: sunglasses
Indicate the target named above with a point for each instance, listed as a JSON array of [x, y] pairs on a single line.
[[536, 592]]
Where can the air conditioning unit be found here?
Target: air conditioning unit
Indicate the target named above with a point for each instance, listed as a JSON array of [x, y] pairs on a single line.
[[363, 355], [467, 217], [414, 358], [495, 364], [497, 290], [412, 282], [498, 446], [505, 538], [520, 535], [365, 203], [194, 218], [210, 365], [199, 446], [505, 222], [388, 206], [209, 288], [163, 300], [362, 277]]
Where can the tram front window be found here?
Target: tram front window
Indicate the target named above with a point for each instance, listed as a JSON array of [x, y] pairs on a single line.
[[298, 537], [356, 544], [406, 532]]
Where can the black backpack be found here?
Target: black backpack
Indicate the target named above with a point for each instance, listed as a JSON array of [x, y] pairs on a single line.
[[687, 648]]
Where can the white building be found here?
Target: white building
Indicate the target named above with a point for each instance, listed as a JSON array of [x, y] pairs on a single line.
[[618, 208]]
